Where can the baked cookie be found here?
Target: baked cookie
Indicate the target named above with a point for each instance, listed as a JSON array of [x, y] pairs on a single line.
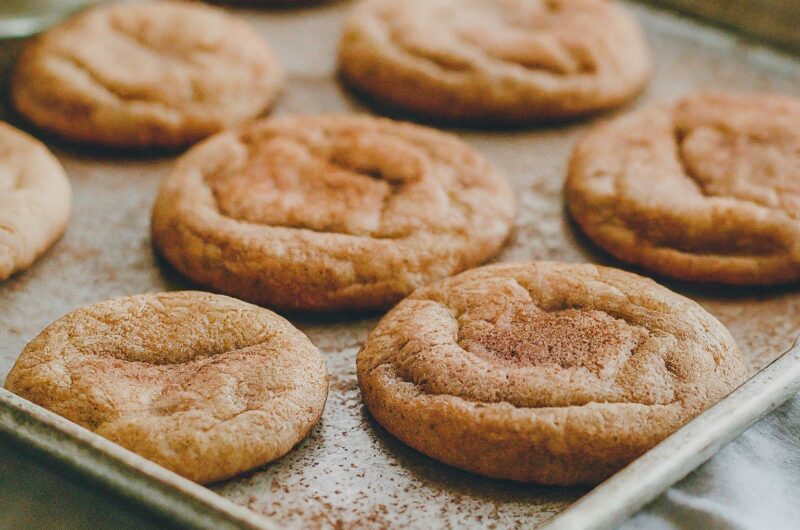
[[35, 200], [494, 61], [707, 189], [205, 385], [329, 212], [544, 372], [146, 74]]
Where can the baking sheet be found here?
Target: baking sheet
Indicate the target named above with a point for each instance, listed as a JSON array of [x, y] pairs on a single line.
[[350, 472], [773, 21]]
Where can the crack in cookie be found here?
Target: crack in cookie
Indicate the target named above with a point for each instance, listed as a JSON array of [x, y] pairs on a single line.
[[706, 189], [119, 92], [494, 61], [150, 41], [499, 379], [485, 35], [759, 168], [348, 190]]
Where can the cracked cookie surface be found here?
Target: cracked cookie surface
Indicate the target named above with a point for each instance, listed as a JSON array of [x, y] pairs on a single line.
[[152, 74], [35, 200], [494, 61], [706, 189], [205, 385], [544, 372], [330, 212]]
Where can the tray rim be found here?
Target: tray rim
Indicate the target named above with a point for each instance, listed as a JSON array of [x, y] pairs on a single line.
[[129, 475]]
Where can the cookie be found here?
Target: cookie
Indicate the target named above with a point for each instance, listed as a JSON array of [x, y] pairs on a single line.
[[706, 189], [35, 200], [138, 75], [494, 61], [205, 385], [544, 372], [329, 212]]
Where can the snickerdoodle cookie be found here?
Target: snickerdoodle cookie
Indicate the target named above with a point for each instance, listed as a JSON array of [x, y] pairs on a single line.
[[329, 212], [706, 189], [35, 200], [494, 61], [146, 74], [544, 372], [205, 385]]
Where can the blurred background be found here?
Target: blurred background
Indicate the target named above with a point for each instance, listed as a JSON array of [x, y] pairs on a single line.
[[19, 18], [774, 21]]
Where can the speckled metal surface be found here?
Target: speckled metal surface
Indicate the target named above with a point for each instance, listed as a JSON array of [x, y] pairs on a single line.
[[350, 472]]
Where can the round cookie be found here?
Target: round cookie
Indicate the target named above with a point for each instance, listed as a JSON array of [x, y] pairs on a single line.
[[706, 189], [494, 61], [329, 212], [205, 385], [152, 74], [35, 200], [544, 372]]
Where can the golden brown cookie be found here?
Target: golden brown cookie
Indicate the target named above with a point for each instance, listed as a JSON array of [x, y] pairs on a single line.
[[146, 74], [706, 189], [494, 61], [205, 385], [544, 372], [329, 212], [35, 200]]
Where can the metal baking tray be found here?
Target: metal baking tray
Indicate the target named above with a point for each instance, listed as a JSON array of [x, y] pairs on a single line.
[[773, 21], [350, 472]]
